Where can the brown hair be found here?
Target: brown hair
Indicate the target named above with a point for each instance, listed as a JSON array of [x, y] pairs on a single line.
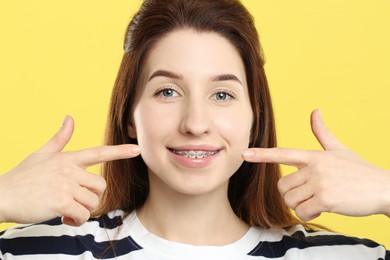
[[252, 189]]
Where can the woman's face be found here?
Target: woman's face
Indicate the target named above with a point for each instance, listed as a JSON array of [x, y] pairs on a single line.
[[192, 117]]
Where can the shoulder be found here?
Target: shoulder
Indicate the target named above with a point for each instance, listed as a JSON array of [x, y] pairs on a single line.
[[297, 242], [53, 237]]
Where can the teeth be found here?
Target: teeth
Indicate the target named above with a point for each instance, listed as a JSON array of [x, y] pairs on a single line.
[[195, 154]]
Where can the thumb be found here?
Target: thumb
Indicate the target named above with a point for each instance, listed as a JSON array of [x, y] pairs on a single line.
[[69, 221], [324, 136], [61, 138]]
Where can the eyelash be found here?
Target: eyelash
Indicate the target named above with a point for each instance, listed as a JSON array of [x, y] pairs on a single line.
[[159, 93], [230, 94]]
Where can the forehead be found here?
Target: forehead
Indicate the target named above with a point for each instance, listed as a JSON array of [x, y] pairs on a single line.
[[195, 54]]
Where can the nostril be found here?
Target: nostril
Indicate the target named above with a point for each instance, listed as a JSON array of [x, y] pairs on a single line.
[[195, 126]]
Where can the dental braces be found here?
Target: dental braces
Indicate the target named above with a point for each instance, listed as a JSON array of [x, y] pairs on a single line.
[[195, 154]]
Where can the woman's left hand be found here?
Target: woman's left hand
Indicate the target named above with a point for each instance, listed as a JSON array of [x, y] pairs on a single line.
[[333, 180]]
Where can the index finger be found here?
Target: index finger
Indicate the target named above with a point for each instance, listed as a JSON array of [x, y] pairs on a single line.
[[287, 156], [96, 155]]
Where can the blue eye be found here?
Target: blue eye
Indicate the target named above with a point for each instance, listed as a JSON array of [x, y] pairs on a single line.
[[167, 93], [222, 96]]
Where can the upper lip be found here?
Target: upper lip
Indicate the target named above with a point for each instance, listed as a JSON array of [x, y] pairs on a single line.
[[201, 147]]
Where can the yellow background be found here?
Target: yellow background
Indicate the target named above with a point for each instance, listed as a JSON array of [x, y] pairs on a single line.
[[61, 57]]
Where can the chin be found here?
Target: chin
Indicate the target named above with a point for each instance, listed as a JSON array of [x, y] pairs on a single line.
[[200, 187]]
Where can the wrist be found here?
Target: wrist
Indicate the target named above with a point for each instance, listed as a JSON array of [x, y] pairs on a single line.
[[2, 219], [386, 195], [3, 201]]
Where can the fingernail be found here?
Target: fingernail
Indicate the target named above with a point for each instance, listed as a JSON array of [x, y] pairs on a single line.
[[66, 119], [319, 113], [248, 153], [135, 150]]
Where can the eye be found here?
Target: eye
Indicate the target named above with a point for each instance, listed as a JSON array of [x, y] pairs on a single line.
[[223, 95], [167, 92]]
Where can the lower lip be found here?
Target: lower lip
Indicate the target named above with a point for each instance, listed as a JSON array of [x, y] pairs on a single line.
[[193, 162]]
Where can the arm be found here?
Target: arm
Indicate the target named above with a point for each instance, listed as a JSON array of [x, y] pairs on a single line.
[[50, 183], [333, 180]]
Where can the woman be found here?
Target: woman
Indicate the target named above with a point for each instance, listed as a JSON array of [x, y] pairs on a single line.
[[191, 96]]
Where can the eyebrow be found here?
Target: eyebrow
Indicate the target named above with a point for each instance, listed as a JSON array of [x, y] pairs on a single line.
[[226, 77], [173, 75], [165, 73]]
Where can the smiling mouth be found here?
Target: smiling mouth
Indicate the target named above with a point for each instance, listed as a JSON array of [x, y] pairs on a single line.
[[194, 154]]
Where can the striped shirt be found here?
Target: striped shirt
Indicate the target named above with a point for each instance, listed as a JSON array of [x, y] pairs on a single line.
[[114, 236]]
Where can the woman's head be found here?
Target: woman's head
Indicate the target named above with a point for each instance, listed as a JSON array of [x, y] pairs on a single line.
[[190, 99], [252, 189]]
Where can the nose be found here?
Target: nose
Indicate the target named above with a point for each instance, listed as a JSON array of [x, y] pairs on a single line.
[[195, 118]]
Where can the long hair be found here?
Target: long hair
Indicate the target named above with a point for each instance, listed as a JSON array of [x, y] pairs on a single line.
[[252, 189]]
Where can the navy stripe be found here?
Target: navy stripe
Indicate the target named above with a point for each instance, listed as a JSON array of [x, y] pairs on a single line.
[[299, 241], [108, 223], [104, 221], [51, 222], [68, 245]]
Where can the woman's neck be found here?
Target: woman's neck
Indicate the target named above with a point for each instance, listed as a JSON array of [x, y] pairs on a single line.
[[205, 219]]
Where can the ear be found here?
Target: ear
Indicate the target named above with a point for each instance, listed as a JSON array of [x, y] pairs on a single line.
[[131, 131]]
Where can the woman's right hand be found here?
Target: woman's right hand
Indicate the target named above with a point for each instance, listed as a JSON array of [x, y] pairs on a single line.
[[50, 183]]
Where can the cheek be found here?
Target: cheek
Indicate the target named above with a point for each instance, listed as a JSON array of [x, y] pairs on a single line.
[[153, 125], [235, 126]]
